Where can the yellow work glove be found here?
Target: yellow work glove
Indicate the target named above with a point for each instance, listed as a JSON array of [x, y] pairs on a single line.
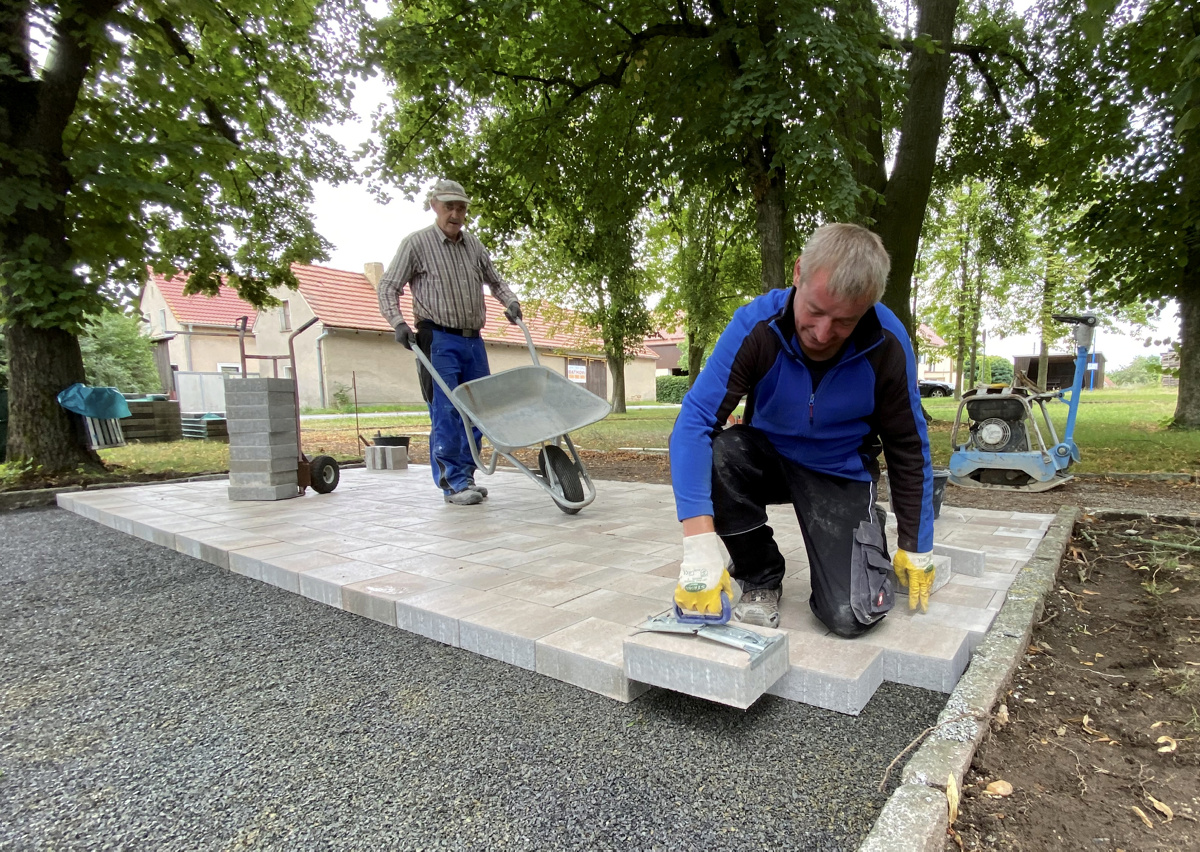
[[703, 575], [915, 572]]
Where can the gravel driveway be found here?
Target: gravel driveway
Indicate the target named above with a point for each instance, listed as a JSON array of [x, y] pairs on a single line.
[[153, 701]]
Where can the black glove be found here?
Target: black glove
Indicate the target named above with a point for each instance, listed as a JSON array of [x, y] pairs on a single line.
[[513, 311], [405, 335]]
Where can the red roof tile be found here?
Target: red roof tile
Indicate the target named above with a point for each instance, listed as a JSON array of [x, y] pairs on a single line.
[[930, 336], [223, 309], [348, 300]]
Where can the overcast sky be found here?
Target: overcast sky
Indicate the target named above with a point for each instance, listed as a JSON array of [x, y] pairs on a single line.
[[363, 231]]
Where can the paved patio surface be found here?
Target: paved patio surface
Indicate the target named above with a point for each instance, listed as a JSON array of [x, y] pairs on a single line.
[[517, 580]]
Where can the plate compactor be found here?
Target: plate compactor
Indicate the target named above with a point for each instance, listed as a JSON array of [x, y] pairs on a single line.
[[1009, 444]]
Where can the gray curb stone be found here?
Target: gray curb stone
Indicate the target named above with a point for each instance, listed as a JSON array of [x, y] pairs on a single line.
[[49, 496], [915, 817]]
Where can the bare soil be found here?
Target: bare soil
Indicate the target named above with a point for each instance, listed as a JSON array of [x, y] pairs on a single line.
[[1102, 728]]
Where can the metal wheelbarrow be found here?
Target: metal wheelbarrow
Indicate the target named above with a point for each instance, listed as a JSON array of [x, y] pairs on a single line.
[[529, 407]]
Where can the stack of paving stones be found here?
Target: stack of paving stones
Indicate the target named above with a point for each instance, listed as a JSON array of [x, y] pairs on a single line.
[[260, 415], [379, 459], [152, 420]]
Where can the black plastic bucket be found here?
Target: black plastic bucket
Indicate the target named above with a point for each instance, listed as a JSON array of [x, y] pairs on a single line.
[[940, 478], [391, 441]]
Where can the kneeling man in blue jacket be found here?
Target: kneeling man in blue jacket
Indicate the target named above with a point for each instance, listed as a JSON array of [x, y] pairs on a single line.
[[830, 381]]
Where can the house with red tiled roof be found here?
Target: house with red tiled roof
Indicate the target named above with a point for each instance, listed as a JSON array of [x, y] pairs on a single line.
[[193, 334], [669, 344], [936, 361], [351, 346]]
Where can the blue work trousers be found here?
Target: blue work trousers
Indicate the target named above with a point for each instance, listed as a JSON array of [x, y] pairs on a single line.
[[457, 360]]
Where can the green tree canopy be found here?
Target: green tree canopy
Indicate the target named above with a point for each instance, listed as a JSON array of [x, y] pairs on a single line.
[[135, 135], [116, 354], [1117, 122]]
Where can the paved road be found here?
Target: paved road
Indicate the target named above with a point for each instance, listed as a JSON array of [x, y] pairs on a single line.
[[152, 701]]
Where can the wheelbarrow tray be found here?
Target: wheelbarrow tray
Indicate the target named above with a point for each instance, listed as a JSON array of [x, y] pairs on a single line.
[[527, 406]]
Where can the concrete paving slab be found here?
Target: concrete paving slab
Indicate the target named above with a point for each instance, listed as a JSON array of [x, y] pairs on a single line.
[[509, 632], [376, 598], [591, 655], [829, 672], [436, 614], [705, 669]]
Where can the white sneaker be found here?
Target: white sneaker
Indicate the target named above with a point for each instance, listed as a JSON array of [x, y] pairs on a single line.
[[759, 607]]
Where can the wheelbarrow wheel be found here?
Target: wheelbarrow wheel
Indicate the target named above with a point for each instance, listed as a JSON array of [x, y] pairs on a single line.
[[325, 474], [567, 484]]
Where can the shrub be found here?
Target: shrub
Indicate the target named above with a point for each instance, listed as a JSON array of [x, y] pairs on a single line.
[[670, 388]]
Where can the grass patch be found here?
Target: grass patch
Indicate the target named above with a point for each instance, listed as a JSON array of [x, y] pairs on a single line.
[[1118, 431], [365, 409]]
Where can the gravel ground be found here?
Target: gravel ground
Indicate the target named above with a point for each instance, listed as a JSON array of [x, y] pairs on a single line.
[[152, 701]]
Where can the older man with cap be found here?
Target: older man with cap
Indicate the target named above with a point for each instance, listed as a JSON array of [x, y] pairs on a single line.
[[446, 267]]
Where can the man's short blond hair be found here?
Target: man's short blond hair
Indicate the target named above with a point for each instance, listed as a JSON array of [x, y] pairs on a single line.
[[855, 258]]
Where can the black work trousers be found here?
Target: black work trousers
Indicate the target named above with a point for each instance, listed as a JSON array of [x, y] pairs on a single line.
[[843, 529]]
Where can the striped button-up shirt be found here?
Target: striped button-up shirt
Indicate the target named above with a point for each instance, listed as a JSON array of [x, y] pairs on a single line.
[[447, 278]]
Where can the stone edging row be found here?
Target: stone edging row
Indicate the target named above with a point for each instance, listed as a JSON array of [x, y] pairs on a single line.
[[36, 498], [916, 816]]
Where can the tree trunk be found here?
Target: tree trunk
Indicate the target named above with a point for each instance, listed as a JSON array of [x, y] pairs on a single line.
[[1187, 406], [1047, 310], [900, 219], [616, 368], [960, 341], [695, 357], [36, 111], [767, 185], [41, 363]]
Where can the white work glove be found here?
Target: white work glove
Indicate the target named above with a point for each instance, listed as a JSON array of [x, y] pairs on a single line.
[[915, 571], [703, 575]]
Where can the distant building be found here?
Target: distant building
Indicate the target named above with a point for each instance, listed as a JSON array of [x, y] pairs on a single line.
[[1060, 370], [352, 346], [193, 334], [936, 362], [669, 344]]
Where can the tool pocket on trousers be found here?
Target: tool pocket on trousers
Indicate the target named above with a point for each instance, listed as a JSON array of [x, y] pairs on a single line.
[[871, 594]]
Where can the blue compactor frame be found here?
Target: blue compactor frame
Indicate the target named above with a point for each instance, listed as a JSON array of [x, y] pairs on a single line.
[[1010, 442]]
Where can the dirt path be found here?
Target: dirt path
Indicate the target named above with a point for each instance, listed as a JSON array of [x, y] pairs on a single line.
[[1097, 738]]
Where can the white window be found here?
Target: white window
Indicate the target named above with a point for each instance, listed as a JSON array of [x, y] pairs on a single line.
[[285, 317], [233, 369], [162, 318]]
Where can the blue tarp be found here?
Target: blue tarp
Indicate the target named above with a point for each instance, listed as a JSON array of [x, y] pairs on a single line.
[[103, 403]]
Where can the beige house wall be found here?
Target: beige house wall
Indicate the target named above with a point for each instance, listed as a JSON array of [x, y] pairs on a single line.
[[639, 380], [384, 370], [272, 339], [199, 352]]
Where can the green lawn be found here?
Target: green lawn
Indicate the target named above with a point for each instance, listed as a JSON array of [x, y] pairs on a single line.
[[1118, 431]]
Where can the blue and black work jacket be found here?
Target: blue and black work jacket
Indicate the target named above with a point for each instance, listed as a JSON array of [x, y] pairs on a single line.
[[866, 403]]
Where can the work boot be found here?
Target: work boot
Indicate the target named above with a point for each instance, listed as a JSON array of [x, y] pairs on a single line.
[[466, 497], [479, 488], [760, 607]]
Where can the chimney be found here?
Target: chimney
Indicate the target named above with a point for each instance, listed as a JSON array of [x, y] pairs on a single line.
[[374, 272]]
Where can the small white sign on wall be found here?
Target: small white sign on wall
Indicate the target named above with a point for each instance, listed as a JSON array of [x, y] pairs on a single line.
[[577, 371]]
